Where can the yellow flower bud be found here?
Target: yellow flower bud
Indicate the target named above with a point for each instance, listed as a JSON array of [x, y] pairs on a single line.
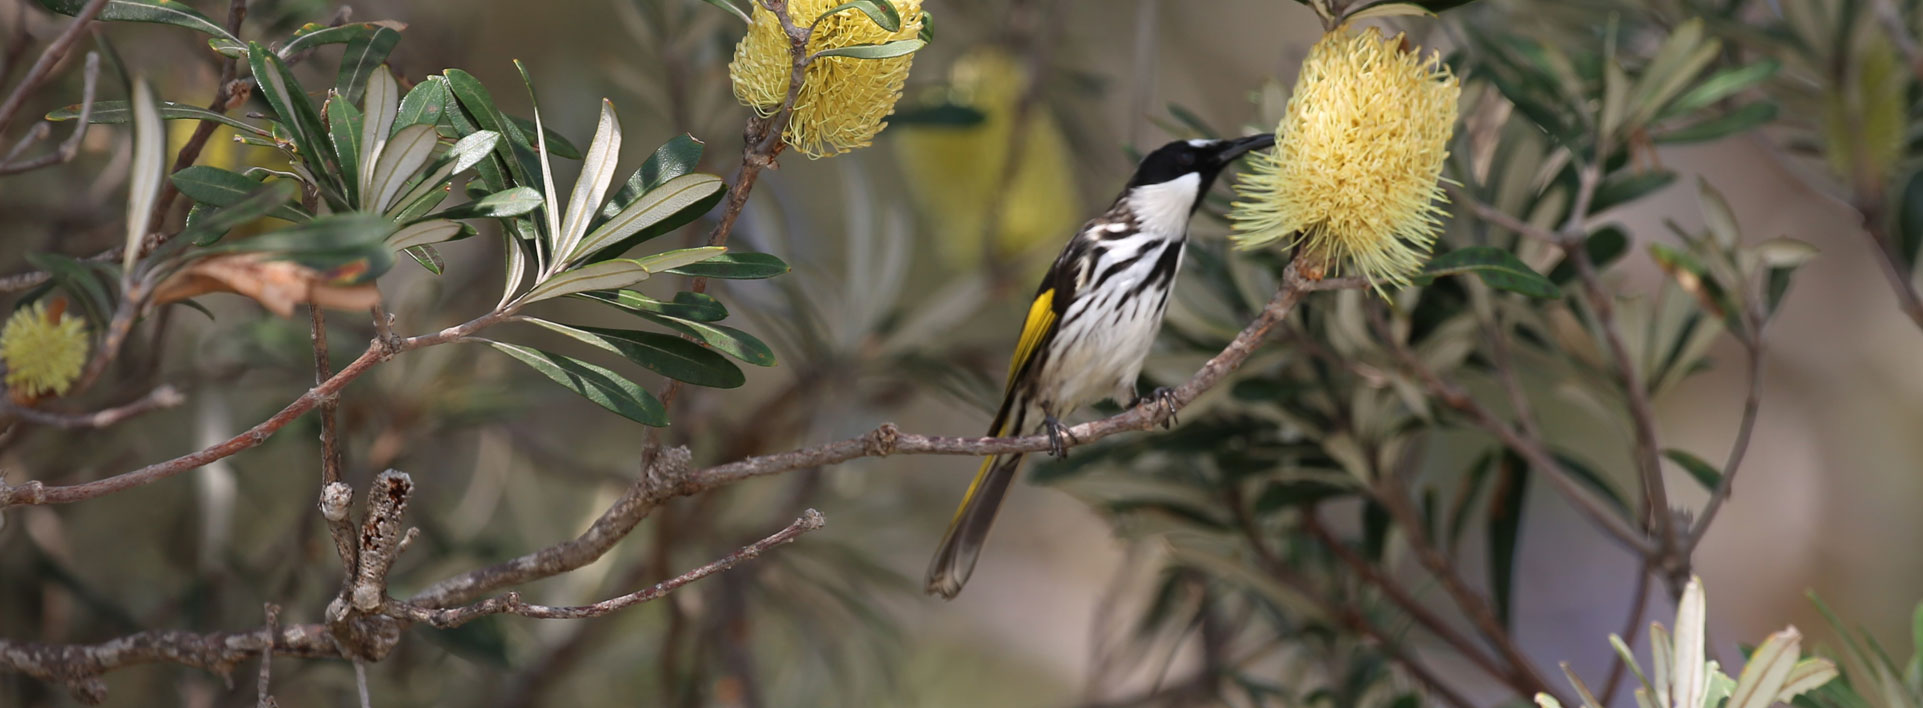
[[1359, 152], [44, 351], [843, 99]]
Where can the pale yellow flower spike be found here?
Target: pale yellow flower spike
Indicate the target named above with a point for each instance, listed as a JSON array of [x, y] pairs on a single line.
[[1355, 174], [843, 99], [44, 353]]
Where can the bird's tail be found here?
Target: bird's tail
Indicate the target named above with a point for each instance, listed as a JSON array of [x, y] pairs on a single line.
[[962, 544]]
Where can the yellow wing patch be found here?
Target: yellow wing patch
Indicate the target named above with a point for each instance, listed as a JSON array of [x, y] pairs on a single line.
[[1041, 317]]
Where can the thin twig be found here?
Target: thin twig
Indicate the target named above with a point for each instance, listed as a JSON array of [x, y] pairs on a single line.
[[1631, 625], [264, 699], [162, 397], [511, 603], [1752, 403], [331, 456], [49, 58], [79, 666], [90, 77]]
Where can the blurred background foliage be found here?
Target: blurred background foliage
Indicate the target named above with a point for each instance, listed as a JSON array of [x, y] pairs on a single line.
[[1144, 571]]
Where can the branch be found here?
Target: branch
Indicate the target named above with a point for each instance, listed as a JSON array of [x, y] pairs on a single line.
[[35, 492], [511, 603], [1752, 403], [79, 666], [49, 57], [162, 397], [69, 147]]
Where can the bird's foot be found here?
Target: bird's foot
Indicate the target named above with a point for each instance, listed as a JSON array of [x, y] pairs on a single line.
[[1058, 437], [1162, 396]]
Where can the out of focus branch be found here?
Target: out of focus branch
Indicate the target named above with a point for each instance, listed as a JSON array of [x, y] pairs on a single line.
[[49, 58], [511, 603], [162, 397], [79, 666], [70, 147]]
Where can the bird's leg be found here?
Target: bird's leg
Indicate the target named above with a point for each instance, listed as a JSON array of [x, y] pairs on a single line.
[[1058, 436], [1162, 396]]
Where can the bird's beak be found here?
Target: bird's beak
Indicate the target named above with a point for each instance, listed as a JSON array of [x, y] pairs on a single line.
[[1240, 146]]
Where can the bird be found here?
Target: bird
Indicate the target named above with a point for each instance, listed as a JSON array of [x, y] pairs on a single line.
[[1090, 326]]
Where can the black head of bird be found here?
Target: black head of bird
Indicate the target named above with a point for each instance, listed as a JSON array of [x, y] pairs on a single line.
[[1203, 158]]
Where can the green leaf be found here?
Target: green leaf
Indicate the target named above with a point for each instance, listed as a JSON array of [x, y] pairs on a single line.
[[429, 258], [725, 339], [1498, 268], [881, 11], [606, 275], [80, 281], [605, 388], [1722, 85], [365, 55], [423, 233], [558, 144], [1605, 246], [512, 202], [664, 354], [1621, 188], [381, 100], [146, 172], [927, 33], [313, 35], [1588, 477], [896, 48], [674, 158], [217, 187], [1279, 496], [669, 260], [735, 266], [166, 12], [344, 123], [1704, 473], [424, 104], [284, 94], [678, 195], [400, 159], [1909, 228], [517, 151], [118, 113], [1505, 531], [731, 8], [1741, 120], [699, 307], [1767, 670], [210, 223], [433, 185], [944, 114]]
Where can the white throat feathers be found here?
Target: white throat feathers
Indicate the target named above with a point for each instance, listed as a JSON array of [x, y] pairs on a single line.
[[1163, 209]]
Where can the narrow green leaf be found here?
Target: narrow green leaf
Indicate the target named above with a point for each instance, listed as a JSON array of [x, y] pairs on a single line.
[[927, 33], [1741, 120], [1722, 85], [1909, 231], [606, 275], [557, 143], [1767, 671], [725, 339], [314, 35], [348, 247], [424, 104], [669, 260], [83, 283], [517, 151], [364, 56], [119, 113], [214, 186], [605, 388], [657, 205], [896, 48], [735, 266], [512, 202], [664, 354], [1704, 473], [699, 307], [210, 222], [284, 94], [1619, 188], [423, 233], [1280, 496], [1605, 246], [1498, 268], [434, 182], [1505, 531], [166, 12], [344, 123], [428, 257], [882, 12], [146, 172], [381, 101], [674, 158]]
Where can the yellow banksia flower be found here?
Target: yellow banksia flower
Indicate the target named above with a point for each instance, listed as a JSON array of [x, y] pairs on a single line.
[[843, 99], [43, 350], [1355, 174]]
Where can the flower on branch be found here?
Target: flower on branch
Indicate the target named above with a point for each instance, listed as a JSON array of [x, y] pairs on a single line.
[[843, 99], [1359, 152], [44, 350]]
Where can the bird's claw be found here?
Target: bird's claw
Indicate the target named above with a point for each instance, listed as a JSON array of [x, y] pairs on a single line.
[[1162, 396], [1058, 437]]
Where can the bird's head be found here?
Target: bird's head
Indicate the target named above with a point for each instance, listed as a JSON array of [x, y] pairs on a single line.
[[1185, 169]]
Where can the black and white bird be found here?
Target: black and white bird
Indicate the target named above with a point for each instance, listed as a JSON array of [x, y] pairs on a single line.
[[1090, 325]]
